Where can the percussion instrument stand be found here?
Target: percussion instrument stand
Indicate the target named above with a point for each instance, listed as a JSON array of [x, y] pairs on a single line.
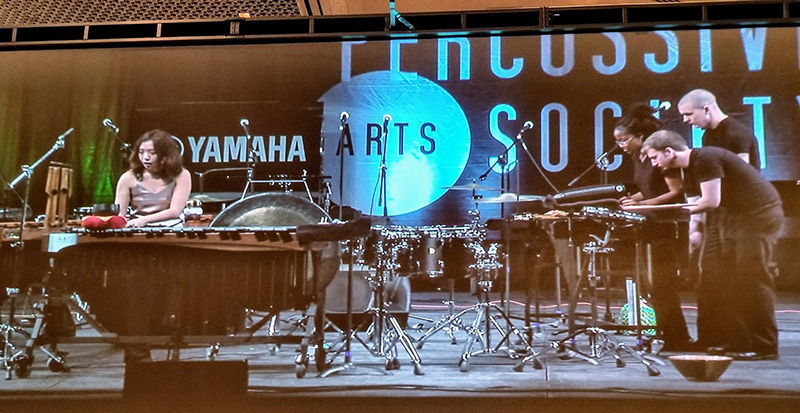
[[347, 366], [451, 322], [600, 341], [385, 331], [22, 360], [484, 322]]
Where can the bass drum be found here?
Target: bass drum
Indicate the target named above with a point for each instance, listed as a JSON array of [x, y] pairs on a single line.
[[281, 209]]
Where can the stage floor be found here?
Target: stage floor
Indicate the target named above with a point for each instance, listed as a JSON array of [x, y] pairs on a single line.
[[96, 379]]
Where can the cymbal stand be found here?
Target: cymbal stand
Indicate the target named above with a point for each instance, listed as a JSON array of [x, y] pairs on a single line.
[[487, 267], [599, 340]]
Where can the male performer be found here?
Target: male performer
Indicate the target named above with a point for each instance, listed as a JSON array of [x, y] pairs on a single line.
[[736, 297], [699, 108]]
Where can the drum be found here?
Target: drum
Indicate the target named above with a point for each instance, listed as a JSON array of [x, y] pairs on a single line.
[[445, 251], [390, 247]]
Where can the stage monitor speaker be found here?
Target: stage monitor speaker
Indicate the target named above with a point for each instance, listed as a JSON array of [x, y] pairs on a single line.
[[195, 379], [396, 292]]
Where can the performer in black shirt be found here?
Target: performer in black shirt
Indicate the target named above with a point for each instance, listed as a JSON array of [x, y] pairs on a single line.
[[699, 108], [657, 187], [736, 296]]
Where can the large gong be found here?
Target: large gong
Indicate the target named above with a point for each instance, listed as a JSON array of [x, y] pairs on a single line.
[[281, 209]]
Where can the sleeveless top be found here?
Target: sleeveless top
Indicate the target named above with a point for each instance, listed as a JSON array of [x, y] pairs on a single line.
[[144, 202]]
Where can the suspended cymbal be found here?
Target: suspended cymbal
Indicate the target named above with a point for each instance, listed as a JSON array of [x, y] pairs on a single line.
[[214, 196], [471, 187], [510, 197]]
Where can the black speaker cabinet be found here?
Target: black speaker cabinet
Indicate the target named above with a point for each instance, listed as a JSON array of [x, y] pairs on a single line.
[[396, 293], [196, 379]]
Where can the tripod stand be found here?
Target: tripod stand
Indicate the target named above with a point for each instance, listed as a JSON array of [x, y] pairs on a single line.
[[599, 340], [382, 330], [480, 330]]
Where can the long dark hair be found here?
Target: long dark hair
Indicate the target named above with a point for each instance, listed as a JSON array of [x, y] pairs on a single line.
[[169, 164], [639, 121]]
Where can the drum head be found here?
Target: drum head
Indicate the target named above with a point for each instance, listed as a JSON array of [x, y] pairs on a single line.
[[281, 209]]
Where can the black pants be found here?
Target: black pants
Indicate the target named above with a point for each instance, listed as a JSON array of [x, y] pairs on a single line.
[[664, 292], [736, 296]]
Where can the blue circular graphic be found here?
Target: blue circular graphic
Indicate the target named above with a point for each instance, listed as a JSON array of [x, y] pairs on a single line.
[[427, 141]]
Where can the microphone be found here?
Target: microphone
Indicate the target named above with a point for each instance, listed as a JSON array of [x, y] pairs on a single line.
[[665, 105], [344, 116], [110, 125], [386, 118], [528, 125], [65, 134], [245, 124]]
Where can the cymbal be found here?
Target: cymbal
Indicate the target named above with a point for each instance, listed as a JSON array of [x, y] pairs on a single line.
[[510, 197], [471, 187], [214, 196]]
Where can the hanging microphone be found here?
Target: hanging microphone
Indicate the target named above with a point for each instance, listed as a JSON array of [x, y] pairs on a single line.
[[110, 125], [344, 116]]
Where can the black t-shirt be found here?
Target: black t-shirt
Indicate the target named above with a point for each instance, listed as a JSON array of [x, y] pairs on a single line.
[[744, 190], [735, 137], [650, 179]]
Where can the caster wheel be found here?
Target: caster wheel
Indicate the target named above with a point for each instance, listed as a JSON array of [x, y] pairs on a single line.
[[300, 370], [418, 370], [320, 359], [652, 371], [620, 363], [392, 364], [519, 367], [300, 366], [395, 364], [212, 351], [420, 345], [454, 341], [537, 364], [56, 366], [463, 366], [23, 366]]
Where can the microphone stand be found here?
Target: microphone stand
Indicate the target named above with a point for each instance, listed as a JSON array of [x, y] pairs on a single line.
[[251, 160], [345, 128], [6, 189], [382, 196], [19, 245], [125, 147], [601, 162]]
